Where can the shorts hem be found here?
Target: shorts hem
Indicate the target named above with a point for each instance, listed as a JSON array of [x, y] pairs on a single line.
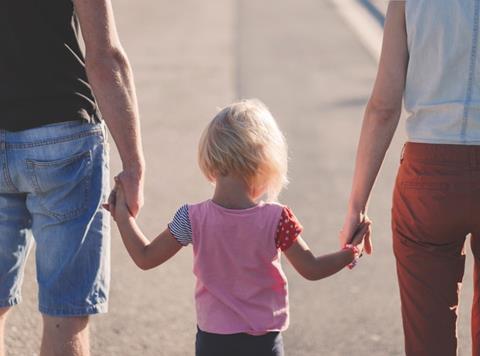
[[10, 302], [100, 308]]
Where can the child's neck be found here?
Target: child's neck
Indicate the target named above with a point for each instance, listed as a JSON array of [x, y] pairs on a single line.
[[232, 193]]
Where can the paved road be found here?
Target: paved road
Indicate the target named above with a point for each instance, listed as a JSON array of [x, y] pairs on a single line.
[[381, 5], [191, 57]]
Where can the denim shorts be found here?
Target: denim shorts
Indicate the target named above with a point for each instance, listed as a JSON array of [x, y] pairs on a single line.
[[53, 181]]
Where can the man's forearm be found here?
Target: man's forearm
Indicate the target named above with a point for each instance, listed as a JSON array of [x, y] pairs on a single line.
[[112, 81]]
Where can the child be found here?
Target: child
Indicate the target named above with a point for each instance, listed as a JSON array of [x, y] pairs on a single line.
[[241, 291]]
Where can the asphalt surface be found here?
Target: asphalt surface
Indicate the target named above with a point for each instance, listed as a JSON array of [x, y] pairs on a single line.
[[303, 61], [381, 5]]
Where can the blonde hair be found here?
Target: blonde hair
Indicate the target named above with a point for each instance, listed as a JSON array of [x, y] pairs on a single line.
[[244, 140]]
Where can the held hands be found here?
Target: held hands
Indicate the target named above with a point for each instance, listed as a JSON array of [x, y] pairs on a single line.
[[131, 181], [363, 232], [117, 202], [358, 242], [354, 223]]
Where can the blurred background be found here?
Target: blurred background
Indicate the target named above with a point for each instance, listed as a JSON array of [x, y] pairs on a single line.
[[313, 63]]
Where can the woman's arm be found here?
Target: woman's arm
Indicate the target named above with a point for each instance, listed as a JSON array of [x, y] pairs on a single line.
[[381, 118]]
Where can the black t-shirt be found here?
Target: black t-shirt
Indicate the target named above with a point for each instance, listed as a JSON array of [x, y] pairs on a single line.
[[42, 68]]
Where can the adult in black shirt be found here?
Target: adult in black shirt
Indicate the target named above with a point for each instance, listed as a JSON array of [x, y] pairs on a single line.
[[46, 79], [42, 68]]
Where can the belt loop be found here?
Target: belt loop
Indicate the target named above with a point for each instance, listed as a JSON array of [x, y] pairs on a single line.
[[477, 156], [3, 140], [472, 155], [402, 153], [105, 130]]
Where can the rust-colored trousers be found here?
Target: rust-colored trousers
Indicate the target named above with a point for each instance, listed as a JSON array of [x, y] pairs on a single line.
[[436, 204]]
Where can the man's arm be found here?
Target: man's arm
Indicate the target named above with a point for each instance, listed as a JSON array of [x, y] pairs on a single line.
[[111, 78]]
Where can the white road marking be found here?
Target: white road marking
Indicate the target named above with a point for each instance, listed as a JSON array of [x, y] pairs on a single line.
[[363, 24]]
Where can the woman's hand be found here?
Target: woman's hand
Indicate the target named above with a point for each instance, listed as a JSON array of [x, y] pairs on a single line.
[[349, 233], [362, 235]]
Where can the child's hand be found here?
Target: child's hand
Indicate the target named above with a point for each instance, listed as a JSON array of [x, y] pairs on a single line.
[[117, 205], [363, 232]]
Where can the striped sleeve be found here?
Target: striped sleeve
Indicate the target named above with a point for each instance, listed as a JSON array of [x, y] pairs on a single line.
[[180, 226]]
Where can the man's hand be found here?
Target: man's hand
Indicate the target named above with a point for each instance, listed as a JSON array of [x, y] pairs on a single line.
[[353, 222], [117, 204], [132, 184]]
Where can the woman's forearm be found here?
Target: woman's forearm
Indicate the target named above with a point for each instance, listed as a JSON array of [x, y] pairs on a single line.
[[384, 107], [377, 132]]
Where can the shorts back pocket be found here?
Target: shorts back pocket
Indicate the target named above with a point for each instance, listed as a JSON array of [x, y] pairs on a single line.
[[62, 186]]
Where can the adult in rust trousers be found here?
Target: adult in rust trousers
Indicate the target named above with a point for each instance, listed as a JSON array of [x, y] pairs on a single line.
[[430, 60]]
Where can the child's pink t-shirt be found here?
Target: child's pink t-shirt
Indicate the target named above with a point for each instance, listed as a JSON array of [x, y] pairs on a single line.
[[240, 285]]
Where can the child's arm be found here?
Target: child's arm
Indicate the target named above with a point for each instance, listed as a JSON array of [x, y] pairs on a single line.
[[144, 253], [314, 268]]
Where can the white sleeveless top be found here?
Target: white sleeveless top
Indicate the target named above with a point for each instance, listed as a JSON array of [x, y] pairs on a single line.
[[442, 93]]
